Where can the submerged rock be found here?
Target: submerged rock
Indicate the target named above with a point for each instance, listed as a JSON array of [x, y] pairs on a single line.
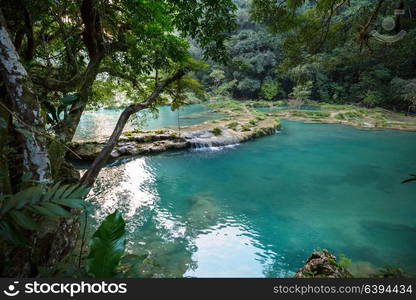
[[322, 264]]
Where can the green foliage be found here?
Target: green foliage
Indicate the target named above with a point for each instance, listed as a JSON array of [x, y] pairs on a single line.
[[107, 247], [330, 44], [21, 211], [254, 55], [269, 90], [372, 98], [246, 127], [344, 261], [227, 105], [217, 76], [248, 86], [217, 131], [232, 125], [302, 91]]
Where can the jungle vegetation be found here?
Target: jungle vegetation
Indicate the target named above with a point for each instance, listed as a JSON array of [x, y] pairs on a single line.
[[56, 56], [324, 51], [59, 58]]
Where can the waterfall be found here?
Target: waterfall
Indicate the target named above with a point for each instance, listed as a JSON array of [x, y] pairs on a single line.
[[202, 141]]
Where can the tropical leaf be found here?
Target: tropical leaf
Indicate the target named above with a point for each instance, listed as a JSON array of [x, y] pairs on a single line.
[[17, 209], [107, 247], [8, 233], [26, 133], [70, 202], [24, 220], [56, 210]]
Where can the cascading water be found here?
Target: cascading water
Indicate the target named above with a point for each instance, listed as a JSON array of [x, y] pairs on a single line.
[[207, 140]]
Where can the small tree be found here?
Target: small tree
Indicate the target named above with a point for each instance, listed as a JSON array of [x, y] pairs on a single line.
[[372, 98], [300, 94], [270, 89], [217, 75]]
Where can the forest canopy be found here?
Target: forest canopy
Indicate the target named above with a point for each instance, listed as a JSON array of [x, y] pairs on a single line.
[[328, 50]]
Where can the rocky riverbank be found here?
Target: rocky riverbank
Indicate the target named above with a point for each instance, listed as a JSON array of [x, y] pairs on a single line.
[[356, 117], [237, 127]]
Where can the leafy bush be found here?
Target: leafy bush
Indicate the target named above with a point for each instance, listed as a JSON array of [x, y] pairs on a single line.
[[246, 127], [217, 131], [344, 261], [232, 125], [302, 91], [269, 89], [372, 98]]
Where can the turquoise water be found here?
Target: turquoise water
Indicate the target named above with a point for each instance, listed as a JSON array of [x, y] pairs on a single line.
[[258, 209], [100, 123]]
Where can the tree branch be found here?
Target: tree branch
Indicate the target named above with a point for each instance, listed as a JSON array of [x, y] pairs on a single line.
[[90, 176]]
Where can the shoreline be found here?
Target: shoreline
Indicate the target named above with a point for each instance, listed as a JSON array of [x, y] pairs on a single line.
[[241, 123], [236, 128]]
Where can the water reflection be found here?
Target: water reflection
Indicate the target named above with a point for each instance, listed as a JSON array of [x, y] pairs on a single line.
[[261, 208], [127, 187], [200, 239], [99, 124]]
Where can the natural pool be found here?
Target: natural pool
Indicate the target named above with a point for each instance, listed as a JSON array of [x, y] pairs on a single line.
[[100, 123], [259, 209]]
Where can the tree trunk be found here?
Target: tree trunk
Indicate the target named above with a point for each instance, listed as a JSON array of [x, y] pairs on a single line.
[[26, 108], [58, 237]]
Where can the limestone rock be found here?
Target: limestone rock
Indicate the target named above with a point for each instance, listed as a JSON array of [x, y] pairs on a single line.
[[322, 264]]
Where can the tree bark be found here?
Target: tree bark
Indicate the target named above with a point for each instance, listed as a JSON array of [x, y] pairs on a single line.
[[90, 176], [26, 107]]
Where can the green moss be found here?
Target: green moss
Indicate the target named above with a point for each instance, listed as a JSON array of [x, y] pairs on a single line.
[[148, 138], [278, 123], [349, 115], [160, 131], [381, 124], [297, 113], [232, 125], [279, 102], [217, 131], [246, 127], [340, 116], [334, 106], [318, 114], [173, 136], [253, 122]]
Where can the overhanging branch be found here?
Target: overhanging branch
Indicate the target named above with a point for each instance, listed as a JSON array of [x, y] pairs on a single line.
[[90, 176]]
